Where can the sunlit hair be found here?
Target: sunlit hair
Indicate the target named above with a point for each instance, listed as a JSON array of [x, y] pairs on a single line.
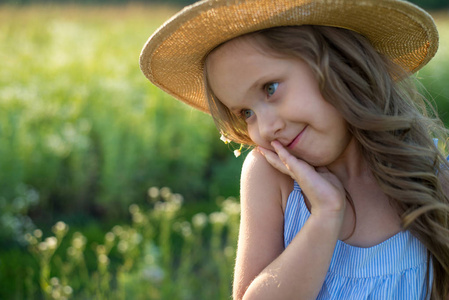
[[387, 117]]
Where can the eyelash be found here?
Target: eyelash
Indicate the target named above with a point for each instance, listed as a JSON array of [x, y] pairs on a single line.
[[243, 114], [268, 86]]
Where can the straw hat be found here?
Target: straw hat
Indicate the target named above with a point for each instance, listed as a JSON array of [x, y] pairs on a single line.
[[174, 55]]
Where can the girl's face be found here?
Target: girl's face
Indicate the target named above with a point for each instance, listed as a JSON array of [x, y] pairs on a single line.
[[279, 99]]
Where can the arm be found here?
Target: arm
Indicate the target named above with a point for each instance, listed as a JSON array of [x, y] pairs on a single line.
[[263, 269], [262, 220]]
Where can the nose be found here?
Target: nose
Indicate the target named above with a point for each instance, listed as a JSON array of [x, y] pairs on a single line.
[[270, 124]]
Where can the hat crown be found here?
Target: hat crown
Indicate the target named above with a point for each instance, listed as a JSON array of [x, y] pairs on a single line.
[[174, 55]]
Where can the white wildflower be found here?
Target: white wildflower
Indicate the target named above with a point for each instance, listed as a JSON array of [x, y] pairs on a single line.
[[101, 249], [224, 139], [186, 229], [109, 237], [67, 290], [54, 281], [138, 218], [79, 241], [134, 208], [55, 294], [37, 233], [117, 230], [123, 246], [60, 227], [199, 220], [231, 206], [51, 242], [218, 218], [42, 246], [153, 192], [103, 259]]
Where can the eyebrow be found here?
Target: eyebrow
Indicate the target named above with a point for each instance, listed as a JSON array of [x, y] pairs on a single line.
[[257, 83], [254, 86]]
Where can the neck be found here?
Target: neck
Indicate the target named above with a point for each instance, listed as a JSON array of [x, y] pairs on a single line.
[[350, 166]]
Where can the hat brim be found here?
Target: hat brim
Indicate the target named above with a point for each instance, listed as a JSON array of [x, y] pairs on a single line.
[[174, 55]]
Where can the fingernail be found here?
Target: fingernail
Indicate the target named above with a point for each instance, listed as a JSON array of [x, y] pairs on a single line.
[[260, 150], [275, 144]]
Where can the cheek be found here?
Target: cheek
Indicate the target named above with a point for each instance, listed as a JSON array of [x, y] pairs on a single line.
[[253, 133]]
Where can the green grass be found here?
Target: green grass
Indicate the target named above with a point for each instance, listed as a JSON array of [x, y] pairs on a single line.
[[435, 75], [83, 135], [158, 255], [80, 123]]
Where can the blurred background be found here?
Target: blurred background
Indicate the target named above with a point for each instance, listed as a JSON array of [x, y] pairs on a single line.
[[110, 189]]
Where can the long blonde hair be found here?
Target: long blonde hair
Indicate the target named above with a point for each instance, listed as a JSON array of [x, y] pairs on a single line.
[[388, 118]]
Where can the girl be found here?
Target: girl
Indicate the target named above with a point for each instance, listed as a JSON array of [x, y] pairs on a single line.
[[343, 196]]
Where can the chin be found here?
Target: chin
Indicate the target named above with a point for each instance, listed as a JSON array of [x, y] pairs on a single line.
[[316, 161]]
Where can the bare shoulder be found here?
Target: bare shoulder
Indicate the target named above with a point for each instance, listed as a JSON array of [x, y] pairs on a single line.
[[263, 190], [258, 176]]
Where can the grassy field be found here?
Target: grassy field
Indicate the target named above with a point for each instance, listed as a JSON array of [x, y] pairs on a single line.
[[80, 121], [434, 75], [83, 138]]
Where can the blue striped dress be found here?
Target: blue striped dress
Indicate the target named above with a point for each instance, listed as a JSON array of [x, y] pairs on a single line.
[[394, 269]]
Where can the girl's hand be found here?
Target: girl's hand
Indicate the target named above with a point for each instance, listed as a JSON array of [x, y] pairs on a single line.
[[323, 189]]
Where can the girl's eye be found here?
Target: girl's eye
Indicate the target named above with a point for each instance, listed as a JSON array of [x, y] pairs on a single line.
[[271, 88], [247, 113]]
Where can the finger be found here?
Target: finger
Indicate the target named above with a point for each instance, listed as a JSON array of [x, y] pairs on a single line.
[[322, 169], [274, 160], [296, 166], [286, 158], [306, 175], [322, 188]]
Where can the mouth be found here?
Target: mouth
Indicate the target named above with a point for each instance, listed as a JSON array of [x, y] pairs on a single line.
[[296, 139]]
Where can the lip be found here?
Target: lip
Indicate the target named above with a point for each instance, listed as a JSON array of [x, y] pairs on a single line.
[[296, 139]]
